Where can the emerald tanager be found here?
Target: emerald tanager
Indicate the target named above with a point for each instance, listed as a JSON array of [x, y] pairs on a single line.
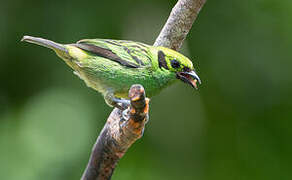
[[113, 66]]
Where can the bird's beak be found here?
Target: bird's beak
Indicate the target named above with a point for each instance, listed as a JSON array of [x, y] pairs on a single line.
[[189, 77]]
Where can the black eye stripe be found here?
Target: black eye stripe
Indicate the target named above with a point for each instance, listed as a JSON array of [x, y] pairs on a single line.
[[161, 60], [175, 63]]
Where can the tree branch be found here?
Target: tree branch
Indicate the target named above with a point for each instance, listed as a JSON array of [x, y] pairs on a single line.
[[123, 128], [179, 23]]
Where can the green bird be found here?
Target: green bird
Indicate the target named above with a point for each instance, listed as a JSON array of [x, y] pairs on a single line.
[[112, 66]]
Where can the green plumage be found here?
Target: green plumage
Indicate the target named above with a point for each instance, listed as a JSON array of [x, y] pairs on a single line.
[[113, 66]]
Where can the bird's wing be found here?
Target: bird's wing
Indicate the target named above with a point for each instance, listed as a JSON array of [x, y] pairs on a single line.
[[128, 53]]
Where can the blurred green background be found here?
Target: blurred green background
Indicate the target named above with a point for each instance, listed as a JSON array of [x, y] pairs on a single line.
[[237, 126]]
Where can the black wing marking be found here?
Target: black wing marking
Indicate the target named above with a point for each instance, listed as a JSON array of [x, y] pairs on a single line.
[[128, 51], [106, 53]]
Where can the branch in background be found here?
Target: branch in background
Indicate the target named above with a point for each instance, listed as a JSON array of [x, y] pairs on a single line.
[[179, 23], [121, 130]]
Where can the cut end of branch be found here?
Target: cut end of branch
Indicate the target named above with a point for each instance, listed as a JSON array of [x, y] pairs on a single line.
[[137, 97]]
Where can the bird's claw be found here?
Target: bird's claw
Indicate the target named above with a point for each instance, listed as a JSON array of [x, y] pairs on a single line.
[[121, 104]]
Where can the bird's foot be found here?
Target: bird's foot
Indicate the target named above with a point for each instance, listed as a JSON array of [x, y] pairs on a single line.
[[119, 103]]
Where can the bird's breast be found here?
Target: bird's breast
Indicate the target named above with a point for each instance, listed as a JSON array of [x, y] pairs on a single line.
[[107, 76]]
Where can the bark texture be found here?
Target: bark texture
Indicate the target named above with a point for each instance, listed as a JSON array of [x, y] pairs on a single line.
[[121, 130], [179, 23]]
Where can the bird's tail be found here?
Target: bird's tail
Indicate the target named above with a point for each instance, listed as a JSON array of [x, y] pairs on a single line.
[[45, 43], [60, 49]]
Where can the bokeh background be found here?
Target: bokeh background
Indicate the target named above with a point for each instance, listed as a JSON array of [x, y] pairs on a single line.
[[236, 126]]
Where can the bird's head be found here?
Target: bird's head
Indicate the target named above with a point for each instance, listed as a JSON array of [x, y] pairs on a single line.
[[177, 63]]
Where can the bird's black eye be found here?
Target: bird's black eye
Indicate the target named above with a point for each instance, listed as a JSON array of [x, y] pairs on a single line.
[[175, 63], [186, 69]]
